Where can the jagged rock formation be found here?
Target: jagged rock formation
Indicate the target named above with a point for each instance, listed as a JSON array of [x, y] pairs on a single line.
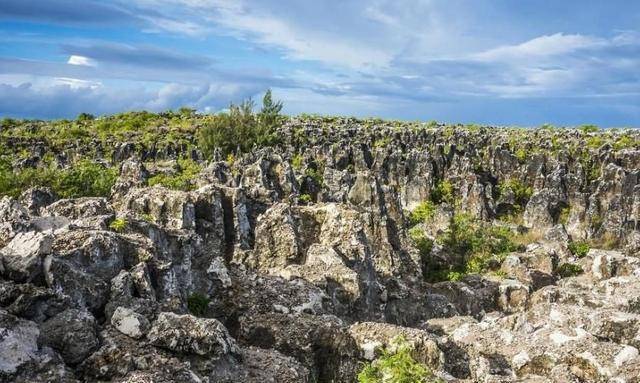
[[295, 263]]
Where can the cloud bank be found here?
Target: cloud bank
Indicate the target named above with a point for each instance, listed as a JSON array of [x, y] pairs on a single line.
[[425, 59]]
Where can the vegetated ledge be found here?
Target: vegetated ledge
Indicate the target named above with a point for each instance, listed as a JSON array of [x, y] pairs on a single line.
[[302, 260]]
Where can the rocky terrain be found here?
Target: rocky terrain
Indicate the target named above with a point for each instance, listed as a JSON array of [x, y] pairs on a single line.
[[499, 255]]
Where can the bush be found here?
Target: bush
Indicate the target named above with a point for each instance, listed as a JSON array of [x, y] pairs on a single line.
[[197, 304], [382, 142], [476, 245], [569, 270], [396, 365], [579, 249], [521, 155], [315, 174], [424, 212], [595, 142], [443, 192], [85, 117], [241, 129], [304, 199], [83, 179], [625, 142], [521, 192], [297, 162], [589, 128], [182, 180], [563, 217], [118, 225]]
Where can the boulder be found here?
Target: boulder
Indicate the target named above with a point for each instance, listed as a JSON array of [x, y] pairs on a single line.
[[193, 335], [130, 322], [22, 257], [73, 333]]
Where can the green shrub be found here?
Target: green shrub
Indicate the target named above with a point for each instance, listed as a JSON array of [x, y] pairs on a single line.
[[424, 212], [521, 192], [589, 128], [476, 245], [569, 270], [118, 225], [85, 117], [443, 192], [147, 218], [8, 123], [595, 142], [625, 142], [241, 128], [521, 155], [382, 142], [396, 365], [422, 242], [563, 217], [579, 249], [304, 198], [197, 304], [182, 180], [297, 161], [315, 174], [85, 179]]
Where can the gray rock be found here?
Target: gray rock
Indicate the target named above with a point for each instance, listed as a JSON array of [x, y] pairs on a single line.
[[189, 334], [22, 257], [73, 333], [18, 343], [129, 322]]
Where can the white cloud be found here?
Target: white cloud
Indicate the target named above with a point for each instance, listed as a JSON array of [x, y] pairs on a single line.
[[75, 83], [543, 46], [81, 60]]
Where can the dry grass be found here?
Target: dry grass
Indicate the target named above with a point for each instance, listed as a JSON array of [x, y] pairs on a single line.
[[530, 236]]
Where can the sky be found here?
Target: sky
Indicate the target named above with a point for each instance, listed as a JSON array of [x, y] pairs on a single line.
[[499, 62]]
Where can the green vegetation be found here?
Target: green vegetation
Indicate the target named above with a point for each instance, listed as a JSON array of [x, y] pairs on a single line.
[[83, 179], [148, 218], [118, 225], [240, 129], [382, 142], [626, 142], [566, 270], [521, 192], [188, 170], [396, 365], [424, 212], [563, 217], [424, 245], [304, 199], [297, 162], [595, 142], [197, 304], [477, 246], [443, 192], [589, 128], [579, 249], [316, 174]]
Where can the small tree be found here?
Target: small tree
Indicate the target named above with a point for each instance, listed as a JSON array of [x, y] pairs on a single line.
[[270, 113], [241, 128]]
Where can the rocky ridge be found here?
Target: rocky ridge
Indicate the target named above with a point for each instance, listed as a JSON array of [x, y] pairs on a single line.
[[296, 263]]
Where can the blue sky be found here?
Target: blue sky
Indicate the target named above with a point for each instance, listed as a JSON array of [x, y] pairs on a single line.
[[496, 62]]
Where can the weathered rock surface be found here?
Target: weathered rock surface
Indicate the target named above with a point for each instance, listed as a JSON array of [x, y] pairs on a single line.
[[296, 263], [188, 334]]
